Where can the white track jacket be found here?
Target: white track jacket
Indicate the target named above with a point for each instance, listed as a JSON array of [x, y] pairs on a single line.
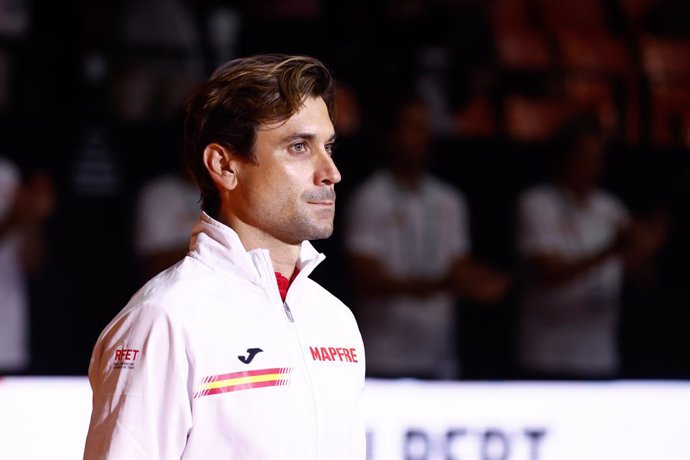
[[207, 362]]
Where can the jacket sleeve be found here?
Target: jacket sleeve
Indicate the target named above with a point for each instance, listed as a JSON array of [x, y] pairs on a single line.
[[140, 375]]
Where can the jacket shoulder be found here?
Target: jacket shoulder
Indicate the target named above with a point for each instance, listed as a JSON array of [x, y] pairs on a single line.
[[325, 299]]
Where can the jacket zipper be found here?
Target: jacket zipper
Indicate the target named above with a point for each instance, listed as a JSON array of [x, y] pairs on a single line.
[[307, 374], [293, 331], [288, 312], [307, 378]]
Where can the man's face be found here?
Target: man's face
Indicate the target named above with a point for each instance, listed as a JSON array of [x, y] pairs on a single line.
[[288, 193]]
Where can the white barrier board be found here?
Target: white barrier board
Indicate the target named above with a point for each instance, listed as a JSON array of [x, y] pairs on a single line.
[[47, 418], [527, 421]]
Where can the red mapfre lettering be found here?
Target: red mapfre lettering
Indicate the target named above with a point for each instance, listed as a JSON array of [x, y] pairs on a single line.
[[334, 354]]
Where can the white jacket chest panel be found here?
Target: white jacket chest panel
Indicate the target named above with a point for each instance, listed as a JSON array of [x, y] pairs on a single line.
[[256, 373], [244, 379]]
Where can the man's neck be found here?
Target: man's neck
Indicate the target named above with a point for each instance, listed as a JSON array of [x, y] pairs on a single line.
[[284, 256], [284, 260]]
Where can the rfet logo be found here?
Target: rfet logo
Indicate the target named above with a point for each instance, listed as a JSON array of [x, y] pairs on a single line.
[[348, 355], [125, 358]]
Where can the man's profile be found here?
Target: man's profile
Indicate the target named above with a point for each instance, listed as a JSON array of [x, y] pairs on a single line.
[[234, 352]]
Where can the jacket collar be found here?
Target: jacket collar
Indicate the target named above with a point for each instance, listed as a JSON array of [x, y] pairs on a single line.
[[219, 246]]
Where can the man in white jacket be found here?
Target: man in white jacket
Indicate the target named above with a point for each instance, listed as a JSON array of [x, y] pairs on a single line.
[[234, 352]]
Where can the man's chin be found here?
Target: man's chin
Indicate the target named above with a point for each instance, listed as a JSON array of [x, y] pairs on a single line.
[[321, 232], [313, 232], [322, 236]]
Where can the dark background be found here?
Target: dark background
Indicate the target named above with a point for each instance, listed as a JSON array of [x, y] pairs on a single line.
[[506, 72]]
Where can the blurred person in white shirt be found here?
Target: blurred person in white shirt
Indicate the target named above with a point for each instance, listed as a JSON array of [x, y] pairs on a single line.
[[409, 251], [575, 238], [25, 203]]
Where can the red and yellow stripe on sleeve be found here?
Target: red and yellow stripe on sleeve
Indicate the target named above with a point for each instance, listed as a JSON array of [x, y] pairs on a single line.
[[243, 381]]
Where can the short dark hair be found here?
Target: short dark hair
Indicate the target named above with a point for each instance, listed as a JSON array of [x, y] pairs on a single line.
[[239, 97]]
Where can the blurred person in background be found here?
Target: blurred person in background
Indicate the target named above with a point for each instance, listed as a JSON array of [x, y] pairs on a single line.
[[166, 210], [409, 252], [575, 239], [235, 351], [25, 204], [163, 50]]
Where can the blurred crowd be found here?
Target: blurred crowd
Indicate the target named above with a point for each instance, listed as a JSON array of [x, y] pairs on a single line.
[[516, 175]]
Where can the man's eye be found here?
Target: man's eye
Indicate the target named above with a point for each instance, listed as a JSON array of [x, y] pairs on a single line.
[[330, 148], [299, 147]]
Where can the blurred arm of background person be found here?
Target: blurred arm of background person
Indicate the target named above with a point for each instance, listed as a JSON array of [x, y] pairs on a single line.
[[371, 278], [553, 268], [635, 244], [474, 280], [645, 237], [31, 202], [466, 278], [35, 203]]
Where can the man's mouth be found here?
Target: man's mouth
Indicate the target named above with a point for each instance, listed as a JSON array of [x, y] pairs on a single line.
[[324, 197]]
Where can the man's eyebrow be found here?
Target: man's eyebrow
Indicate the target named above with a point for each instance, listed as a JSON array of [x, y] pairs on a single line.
[[307, 137]]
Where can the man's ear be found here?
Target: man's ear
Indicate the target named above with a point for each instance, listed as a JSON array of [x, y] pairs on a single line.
[[221, 165]]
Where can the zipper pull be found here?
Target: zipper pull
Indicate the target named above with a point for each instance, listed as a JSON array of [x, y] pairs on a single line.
[[288, 313]]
